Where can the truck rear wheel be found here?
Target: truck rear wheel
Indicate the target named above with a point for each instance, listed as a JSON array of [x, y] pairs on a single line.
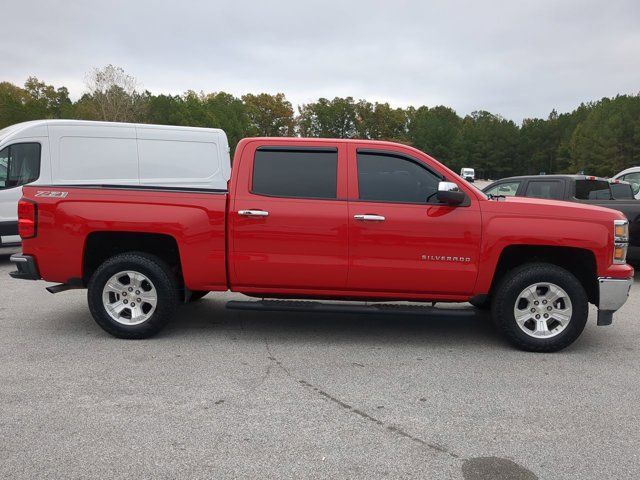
[[132, 295], [540, 307]]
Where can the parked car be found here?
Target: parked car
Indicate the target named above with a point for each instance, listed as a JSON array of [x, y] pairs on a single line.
[[581, 189], [327, 219], [46, 152], [469, 174], [631, 175]]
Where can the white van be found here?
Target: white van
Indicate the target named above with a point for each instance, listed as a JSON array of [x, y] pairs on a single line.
[[469, 174], [73, 152]]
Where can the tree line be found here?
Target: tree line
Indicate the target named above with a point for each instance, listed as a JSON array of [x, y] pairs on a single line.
[[598, 138]]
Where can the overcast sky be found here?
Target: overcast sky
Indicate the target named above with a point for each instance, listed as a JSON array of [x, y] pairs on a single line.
[[515, 58]]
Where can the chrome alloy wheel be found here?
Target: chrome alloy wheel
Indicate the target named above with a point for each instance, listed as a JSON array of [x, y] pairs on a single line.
[[543, 310], [129, 297]]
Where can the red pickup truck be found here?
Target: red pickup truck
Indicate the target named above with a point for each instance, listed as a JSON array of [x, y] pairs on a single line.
[[334, 220]]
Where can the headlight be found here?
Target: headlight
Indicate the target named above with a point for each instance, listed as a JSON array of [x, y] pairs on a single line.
[[621, 241]]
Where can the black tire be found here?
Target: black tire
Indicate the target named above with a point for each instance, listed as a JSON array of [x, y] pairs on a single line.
[[514, 282], [162, 279], [197, 295]]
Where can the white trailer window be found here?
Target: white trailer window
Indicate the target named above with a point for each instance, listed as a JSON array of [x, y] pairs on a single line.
[[185, 163], [95, 159]]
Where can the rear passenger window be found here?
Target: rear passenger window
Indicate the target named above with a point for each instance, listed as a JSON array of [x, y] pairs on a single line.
[[544, 189], [387, 178], [299, 173], [622, 191], [593, 190]]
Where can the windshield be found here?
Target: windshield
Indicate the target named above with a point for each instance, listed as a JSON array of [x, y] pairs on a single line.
[[4, 166]]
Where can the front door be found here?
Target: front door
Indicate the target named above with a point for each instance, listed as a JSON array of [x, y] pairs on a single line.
[[289, 219], [401, 238]]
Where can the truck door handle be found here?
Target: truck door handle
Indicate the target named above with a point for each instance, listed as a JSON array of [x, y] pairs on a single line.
[[369, 218], [253, 213]]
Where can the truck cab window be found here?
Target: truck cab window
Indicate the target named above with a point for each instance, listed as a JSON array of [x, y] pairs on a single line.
[[508, 189], [303, 173], [593, 190], [544, 189], [622, 191], [19, 164], [387, 178]]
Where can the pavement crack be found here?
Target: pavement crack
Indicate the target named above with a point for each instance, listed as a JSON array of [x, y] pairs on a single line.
[[370, 418], [275, 360], [393, 429]]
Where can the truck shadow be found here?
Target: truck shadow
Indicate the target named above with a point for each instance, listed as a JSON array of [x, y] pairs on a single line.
[[436, 327]]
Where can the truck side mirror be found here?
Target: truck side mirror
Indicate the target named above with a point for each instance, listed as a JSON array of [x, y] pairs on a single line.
[[449, 193]]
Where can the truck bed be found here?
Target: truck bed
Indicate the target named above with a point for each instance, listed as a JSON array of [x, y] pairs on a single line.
[[72, 216]]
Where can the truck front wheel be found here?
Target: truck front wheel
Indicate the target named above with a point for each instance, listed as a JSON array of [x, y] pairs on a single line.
[[540, 307], [132, 295]]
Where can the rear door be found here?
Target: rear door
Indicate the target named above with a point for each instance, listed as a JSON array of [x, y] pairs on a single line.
[[288, 217], [400, 238]]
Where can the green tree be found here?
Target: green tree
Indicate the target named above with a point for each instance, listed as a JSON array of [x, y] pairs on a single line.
[[232, 116], [435, 131], [12, 104], [269, 115], [45, 101], [489, 144], [328, 118], [608, 140], [379, 121]]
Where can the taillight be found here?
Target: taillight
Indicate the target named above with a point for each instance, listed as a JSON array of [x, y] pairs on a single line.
[[27, 219]]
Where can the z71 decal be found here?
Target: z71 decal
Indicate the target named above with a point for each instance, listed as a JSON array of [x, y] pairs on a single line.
[[51, 194]]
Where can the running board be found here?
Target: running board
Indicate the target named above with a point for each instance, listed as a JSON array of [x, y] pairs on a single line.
[[319, 307], [63, 287]]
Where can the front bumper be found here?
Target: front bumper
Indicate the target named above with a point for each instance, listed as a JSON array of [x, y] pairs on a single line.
[[27, 268], [613, 293]]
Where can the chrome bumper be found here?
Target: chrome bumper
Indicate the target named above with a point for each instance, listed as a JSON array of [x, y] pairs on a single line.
[[9, 248], [613, 293]]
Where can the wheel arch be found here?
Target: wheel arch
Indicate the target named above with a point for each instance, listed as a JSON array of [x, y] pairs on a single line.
[[580, 262], [99, 246]]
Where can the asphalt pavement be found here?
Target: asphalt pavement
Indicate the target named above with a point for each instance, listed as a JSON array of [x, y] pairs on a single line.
[[238, 394]]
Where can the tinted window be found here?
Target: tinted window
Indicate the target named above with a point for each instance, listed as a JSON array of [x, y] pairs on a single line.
[[295, 173], [508, 189], [621, 191], [19, 164], [593, 190], [387, 178], [544, 189]]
